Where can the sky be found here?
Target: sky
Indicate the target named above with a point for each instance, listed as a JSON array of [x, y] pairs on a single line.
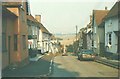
[[62, 16]]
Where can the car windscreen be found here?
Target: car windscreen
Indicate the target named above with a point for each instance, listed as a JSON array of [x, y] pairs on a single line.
[[87, 52]]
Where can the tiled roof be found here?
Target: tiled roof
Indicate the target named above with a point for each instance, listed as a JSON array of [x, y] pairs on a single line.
[[115, 10], [99, 15]]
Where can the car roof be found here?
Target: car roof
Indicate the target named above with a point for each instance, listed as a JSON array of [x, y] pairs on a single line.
[[87, 51]]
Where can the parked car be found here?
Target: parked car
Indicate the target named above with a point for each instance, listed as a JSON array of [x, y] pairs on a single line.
[[86, 55]]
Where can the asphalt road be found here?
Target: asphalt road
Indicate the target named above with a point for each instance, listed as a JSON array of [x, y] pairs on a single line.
[[70, 66], [62, 66], [38, 68]]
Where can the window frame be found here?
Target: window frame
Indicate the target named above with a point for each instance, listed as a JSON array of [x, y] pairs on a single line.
[[110, 38]]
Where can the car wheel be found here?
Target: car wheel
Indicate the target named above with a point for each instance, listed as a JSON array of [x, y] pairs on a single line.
[[81, 59]]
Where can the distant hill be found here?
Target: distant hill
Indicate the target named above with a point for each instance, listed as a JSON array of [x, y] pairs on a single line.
[[59, 34], [67, 38]]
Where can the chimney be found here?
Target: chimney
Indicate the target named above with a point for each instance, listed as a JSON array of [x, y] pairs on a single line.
[[105, 8], [38, 18], [90, 18]]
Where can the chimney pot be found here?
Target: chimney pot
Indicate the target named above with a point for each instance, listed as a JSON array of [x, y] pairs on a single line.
[[38, 18], [105, 8]]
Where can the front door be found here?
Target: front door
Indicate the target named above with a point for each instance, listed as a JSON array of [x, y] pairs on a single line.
[[9, 39]]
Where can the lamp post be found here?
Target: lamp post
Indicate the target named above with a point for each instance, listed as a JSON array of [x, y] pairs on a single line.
[[76, 39], [76, 32]]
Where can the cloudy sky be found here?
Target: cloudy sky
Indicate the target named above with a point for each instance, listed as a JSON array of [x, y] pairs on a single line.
[[61, 16]]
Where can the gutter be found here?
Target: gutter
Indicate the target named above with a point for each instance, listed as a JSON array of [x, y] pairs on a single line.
[[111, 63]]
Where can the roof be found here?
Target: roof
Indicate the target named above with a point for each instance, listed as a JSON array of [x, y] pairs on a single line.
[[44, 30], [11, 4], [53, 37], [98, 15], [88, 30], [89, 25], [6, 12], [31, 18], [114, 11]]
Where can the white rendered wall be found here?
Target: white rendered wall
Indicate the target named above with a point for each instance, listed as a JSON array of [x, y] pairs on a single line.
[[111, 25]]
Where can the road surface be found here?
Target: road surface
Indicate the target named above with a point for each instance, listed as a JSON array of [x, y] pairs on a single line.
[[62, 66], [70, 66], [33, 69]]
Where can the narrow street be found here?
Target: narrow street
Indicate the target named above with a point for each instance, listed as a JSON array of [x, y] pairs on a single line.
[[46, 38], [62, 66], [70, 66]]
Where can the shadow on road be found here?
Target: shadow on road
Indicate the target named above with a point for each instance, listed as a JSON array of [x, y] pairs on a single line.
[[33, 69], [62, 72], [58, 70]]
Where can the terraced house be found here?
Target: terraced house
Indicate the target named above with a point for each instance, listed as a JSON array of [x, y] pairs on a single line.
[[98, 31], [14, 34], [33, 32], [112, 30], [39, 37], [89, 34], [44, 39]]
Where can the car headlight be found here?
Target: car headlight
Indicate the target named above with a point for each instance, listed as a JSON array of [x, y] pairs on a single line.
[[83, 54]]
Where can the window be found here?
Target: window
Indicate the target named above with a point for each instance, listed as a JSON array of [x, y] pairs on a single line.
[[109, 38], [4, 42], [92, 43], [15, 42], [110, 22], [95, 29], [24, 41]]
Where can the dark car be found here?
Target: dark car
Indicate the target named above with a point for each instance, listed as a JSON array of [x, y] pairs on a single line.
[[86, 55]]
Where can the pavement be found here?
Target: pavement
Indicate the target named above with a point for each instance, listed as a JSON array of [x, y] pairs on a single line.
[[39, 66], [36, 58], [108, 62]]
